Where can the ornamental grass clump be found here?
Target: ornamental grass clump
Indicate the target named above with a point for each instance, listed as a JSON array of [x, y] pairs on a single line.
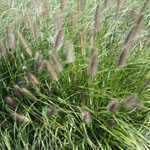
[[74, 75]]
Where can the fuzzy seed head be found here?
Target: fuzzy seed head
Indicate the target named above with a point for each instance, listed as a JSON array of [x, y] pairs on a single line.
[[11, 38], [123, 58], [51, 71], [40, 62], [33, 79], [131, 102], [11, 102], [69, 51], [113, 106], [19, 118], [97, 20], [25, 44], [86, 116], [93, 63], [59, 39], [56, 62]]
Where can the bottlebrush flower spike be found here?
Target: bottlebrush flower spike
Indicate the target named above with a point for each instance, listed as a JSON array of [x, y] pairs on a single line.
[[93, 63], [51, 71], [33, 79], [39, 62], [56, 62], [128, 42], [41, 65], [87, 117], [130, 39], [97, 19], [11, 102], [69, 52], [131, 102], [20, 118], [25, 44], [33, 27], [59, 39], [113, 106], [11, 39]]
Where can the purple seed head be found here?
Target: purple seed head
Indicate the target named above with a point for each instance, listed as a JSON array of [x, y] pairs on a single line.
[[86, 116], [113, 106]]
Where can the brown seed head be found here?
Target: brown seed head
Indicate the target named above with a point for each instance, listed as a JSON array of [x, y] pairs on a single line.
[[56, 62], [113, 106], [93, 63], [86, 116], [131, 102], [19, 118], [69, 52], [97, 19], [51, 71], [33, 79], [59, 39], [11, 102], [11, 38], [25, 44]]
